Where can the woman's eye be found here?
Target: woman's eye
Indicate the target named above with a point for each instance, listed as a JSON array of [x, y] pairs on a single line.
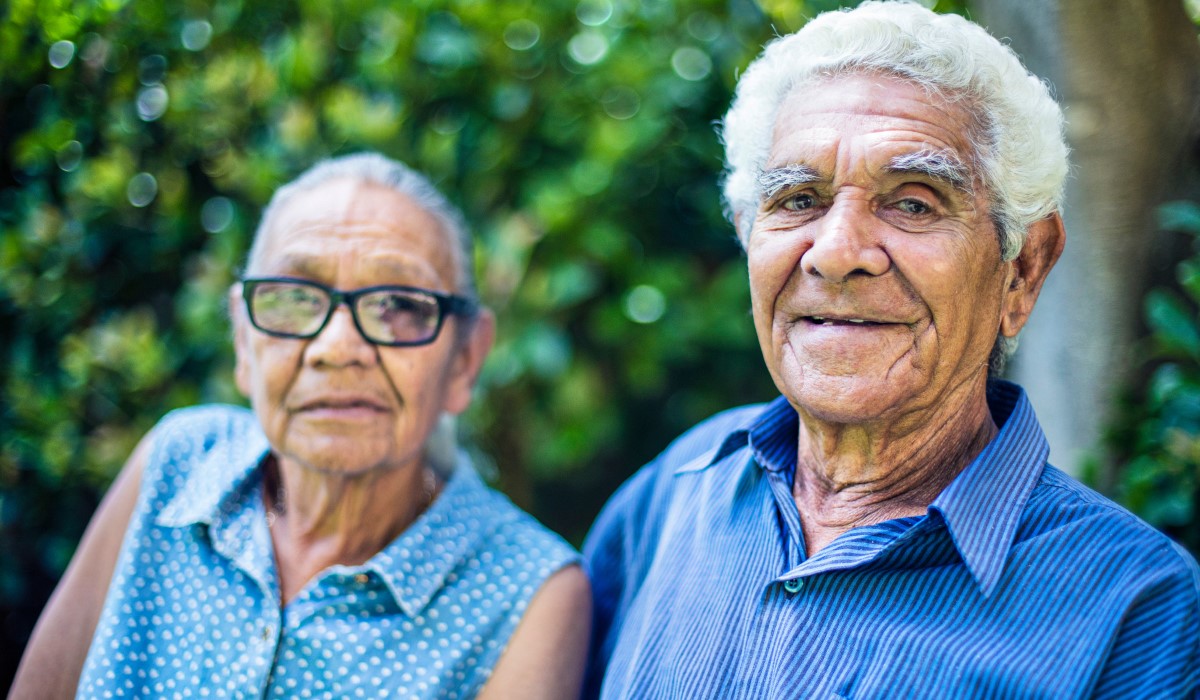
[[913, 206], [799, 202]]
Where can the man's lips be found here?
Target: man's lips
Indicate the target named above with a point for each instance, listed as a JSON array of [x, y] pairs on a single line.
[[848, 320]]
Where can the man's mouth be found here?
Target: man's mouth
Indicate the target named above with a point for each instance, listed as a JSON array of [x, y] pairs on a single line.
[[827, 321]]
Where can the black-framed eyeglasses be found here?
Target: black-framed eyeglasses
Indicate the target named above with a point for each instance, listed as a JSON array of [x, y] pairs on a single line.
[[390, 315]]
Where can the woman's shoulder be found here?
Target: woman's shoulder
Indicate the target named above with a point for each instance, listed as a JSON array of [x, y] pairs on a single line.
[[508, 531], [204, 425], [199, 448]]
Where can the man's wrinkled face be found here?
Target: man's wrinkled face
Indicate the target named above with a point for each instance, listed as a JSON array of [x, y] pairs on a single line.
[[335, 403], [876, 280]]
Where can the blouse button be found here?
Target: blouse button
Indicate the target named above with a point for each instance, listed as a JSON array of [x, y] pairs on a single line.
[[361, 578], [793, 585]]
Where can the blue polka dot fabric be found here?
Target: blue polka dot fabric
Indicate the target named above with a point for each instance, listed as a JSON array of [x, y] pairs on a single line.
[[193, 609]]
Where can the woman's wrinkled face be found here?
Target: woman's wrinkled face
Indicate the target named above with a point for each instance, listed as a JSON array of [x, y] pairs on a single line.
[[336, 403]]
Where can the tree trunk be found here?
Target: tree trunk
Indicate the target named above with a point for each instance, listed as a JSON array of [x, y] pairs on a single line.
[[1128, 74]]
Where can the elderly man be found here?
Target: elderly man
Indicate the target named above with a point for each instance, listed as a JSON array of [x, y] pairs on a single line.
[[889, 526], [319, 545]]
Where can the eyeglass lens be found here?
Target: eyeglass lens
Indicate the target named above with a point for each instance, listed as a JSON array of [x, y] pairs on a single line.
[[383, 315]]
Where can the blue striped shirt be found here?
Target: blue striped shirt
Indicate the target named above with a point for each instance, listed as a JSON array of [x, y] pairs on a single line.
[[1018, 582]]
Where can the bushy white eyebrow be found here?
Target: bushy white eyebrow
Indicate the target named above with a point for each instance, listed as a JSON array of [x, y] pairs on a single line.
[[775, 180], [937, 165]]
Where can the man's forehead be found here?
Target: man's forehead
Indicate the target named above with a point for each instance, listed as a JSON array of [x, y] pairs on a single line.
[[882, 116]]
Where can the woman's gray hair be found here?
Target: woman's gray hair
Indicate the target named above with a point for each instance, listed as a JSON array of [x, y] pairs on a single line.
[[385, 172], [1019, 148]]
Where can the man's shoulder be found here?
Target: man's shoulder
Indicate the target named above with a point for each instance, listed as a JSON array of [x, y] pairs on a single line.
[[638, 503], [700, 443], [709, 434], [1093, 525]]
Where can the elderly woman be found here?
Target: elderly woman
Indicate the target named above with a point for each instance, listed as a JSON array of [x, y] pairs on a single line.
[[321, 545]]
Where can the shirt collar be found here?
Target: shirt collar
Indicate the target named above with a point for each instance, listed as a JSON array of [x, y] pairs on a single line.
[[220, 493], [417, 564], [217, 483], [981, 507]]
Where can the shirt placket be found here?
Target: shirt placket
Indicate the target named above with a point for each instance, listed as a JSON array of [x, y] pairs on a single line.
[[245, 541]]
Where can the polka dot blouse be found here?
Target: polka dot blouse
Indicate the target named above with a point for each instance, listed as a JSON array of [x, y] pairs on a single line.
[[193, 609]]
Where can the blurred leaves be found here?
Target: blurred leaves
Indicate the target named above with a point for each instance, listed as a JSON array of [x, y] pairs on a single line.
[[1157, 436], [139, 141]]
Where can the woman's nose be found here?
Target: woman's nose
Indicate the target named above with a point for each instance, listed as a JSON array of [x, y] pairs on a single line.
[[340, 343]]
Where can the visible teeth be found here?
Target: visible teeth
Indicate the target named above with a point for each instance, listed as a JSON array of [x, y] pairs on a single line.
[[822, 320]]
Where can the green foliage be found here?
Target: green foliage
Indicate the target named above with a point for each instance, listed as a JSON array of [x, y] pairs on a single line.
[[1157, 437], [139, 141]]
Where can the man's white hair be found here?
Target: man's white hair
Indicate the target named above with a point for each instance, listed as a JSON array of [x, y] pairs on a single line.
[[379, 170], [1019, 149]]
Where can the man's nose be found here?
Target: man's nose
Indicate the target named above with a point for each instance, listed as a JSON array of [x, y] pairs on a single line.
[[846, 242], [340, 344]]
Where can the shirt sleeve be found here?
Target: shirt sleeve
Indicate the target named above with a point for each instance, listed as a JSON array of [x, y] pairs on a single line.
[[610, 559], [1156, 653]]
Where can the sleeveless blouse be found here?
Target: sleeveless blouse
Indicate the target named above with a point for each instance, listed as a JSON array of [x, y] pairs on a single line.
[[193, 608]]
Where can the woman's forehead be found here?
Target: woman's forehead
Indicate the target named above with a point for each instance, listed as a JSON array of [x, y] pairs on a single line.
[[382, 231], [352, 203]]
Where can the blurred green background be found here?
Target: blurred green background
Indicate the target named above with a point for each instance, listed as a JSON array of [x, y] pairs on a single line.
[[139, 140]]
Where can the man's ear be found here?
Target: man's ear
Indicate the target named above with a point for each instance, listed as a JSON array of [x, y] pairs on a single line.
[[1043, 246], [241, 340], [468, 361]]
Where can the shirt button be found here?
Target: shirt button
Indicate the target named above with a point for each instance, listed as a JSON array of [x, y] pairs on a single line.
[[793, 585], [266, 633], [361, 578]]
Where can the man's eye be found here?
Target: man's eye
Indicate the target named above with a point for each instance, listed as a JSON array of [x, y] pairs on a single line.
[[913, 206], [799, 202]]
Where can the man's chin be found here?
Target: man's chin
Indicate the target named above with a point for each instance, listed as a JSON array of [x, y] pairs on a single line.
[[846, 400]]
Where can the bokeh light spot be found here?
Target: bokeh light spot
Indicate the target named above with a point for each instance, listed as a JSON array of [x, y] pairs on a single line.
[[587, 47], [594, 13], [152, 70], [142, 189], [620, 102], [703, 26], [645, 304], [522, 34], [61, 53], [195, 34], [216, 214], [690, 63], [152, 102], [69, 156]]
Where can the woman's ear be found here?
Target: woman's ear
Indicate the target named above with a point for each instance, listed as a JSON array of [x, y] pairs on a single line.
[[472, 350]]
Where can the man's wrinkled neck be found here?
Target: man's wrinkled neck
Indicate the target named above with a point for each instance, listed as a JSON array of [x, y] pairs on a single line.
[[850, 476]]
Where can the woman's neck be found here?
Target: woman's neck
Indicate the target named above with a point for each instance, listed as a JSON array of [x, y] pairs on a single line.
[[320, 519]]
